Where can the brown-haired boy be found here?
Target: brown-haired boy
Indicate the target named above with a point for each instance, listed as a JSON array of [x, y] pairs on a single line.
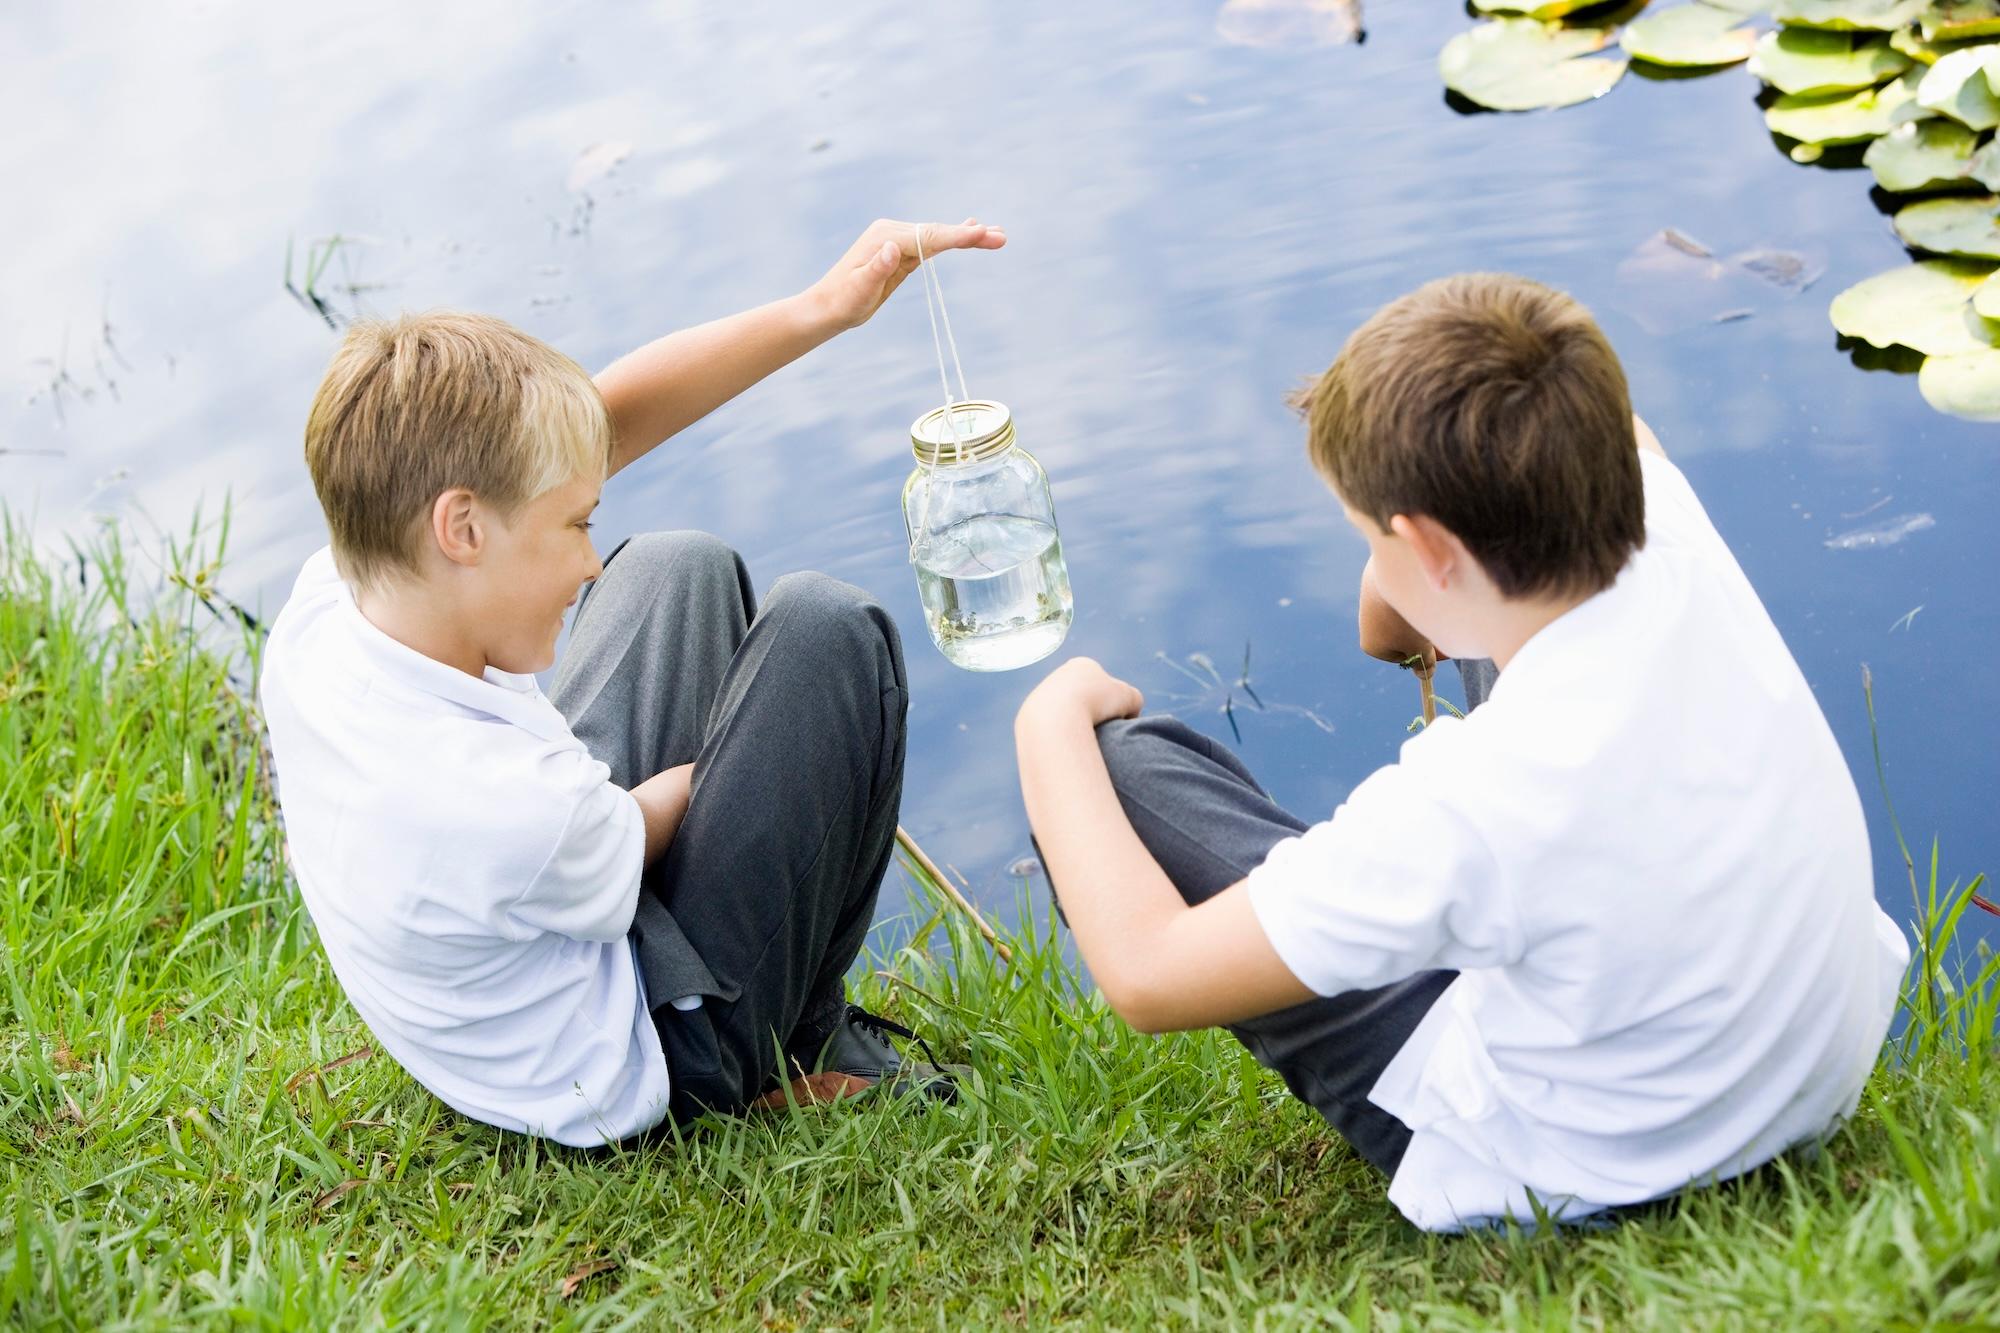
[[575, 915], [1610, 935]]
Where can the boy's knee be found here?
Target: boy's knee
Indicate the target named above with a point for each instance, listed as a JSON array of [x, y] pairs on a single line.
[[1135, 747], [654, 554], [835, 617]]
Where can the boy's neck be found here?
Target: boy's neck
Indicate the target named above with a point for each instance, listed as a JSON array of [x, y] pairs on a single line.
[[410, 615], [1518, 620]]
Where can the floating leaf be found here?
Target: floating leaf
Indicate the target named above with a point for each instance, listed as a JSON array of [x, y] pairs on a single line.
[[1962, 226], [1786, 270], [1744, 7], [1696, 36], [1811, 60], [1925, 155], [1534, 9], [1958, 86], [1956, 20], [1985, 166], [1819, 119], [1924, 306], [1966, 385], [1986, 298], [1916, 48], [1523, 65], [1849, 15]]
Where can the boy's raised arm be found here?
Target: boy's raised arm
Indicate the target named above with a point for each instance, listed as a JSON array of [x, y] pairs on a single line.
[[675, 381]]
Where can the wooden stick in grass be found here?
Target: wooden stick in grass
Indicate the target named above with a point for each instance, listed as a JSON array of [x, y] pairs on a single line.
[[916, 853]]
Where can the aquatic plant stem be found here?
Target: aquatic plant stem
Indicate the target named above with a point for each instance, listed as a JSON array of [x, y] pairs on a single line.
[[1430, 696], [964, 904]]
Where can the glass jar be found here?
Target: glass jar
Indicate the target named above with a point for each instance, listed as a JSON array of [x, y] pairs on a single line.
[[983, 539]]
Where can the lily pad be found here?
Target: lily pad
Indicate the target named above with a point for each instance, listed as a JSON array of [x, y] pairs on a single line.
[[1692, 36], [1958, 86], [1966, 385], [1985, 166], [1986, 298], [1925, 155], [1925, 306], [1911, 44], [1533, 9], [1961, 226], [1744, 7], [1524, 64], [1817, 120], [1812, 60], [1849, 15], [1955, 20]]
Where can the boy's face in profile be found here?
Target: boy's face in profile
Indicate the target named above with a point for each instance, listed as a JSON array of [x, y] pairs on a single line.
[[533, 568], [1400, 576]]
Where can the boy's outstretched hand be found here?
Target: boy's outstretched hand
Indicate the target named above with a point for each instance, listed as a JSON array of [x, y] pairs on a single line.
[[874, 266]]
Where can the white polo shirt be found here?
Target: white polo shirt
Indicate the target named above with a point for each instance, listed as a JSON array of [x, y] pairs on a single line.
[[471, 869], [1647, 859]]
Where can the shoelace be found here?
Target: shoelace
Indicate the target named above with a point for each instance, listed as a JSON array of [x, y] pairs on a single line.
[[883, 1026]]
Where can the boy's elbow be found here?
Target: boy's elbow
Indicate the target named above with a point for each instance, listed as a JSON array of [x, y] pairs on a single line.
[[1139, 1001]]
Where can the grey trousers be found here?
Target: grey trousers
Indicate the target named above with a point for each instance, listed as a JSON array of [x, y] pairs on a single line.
[[793, 717], [1208, 824]]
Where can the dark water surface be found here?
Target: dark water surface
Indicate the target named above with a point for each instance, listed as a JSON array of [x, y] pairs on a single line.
[[1194, 226]]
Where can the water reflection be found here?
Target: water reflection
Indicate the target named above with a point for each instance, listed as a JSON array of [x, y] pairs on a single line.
[[1194, 225]]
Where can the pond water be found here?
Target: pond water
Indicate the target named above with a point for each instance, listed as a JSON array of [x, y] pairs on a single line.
[[1194, 226]]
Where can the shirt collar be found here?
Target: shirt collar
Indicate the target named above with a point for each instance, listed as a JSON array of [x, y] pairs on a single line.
[[506, 695]]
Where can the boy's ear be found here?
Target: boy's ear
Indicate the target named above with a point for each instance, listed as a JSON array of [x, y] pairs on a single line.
[[458, 526], [1441, 557]]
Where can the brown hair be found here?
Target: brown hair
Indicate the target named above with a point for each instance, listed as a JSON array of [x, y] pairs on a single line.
[[1495, 406], [413, 407]]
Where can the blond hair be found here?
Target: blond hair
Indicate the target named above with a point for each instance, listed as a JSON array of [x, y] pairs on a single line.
[[416, 406], [1496, 406]]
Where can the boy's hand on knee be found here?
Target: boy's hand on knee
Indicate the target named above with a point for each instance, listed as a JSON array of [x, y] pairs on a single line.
[[875, 265], [1080, 689]]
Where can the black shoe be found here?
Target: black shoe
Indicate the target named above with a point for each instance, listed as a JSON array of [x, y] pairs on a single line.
[[859, 1046]]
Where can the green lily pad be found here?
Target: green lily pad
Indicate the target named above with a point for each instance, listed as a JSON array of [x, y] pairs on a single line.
[[1691, 36], [1924, 155], [1958, 86], [1966, 385], [1925, 306], [1955, 20], [1849, 15], [1911, 44], [1533, 9], [1812, 60], [1524, 64], [1960, 226], [1744, 7], [1986, 298], [1985, 166], [1817, 120]]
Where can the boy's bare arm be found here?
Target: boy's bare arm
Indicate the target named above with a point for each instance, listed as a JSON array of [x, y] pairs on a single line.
[[1161, 964], [675, 381], [663, 803]]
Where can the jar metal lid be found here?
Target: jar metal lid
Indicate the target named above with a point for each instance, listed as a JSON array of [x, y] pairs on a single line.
[[979, 428]]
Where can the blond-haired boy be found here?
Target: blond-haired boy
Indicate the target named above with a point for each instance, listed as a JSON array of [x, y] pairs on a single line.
[[1610, 935], [576, 915]]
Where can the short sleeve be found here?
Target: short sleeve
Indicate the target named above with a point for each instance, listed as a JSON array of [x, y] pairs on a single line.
[[588, 889], [1394, 884]]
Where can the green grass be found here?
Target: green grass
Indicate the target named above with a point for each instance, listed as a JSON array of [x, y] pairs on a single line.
[[188, 1138]]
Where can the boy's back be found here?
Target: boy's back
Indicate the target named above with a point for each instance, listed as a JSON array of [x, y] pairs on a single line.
[[1646, 857]]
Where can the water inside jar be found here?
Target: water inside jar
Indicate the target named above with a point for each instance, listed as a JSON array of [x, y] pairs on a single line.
[[995, 591]]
